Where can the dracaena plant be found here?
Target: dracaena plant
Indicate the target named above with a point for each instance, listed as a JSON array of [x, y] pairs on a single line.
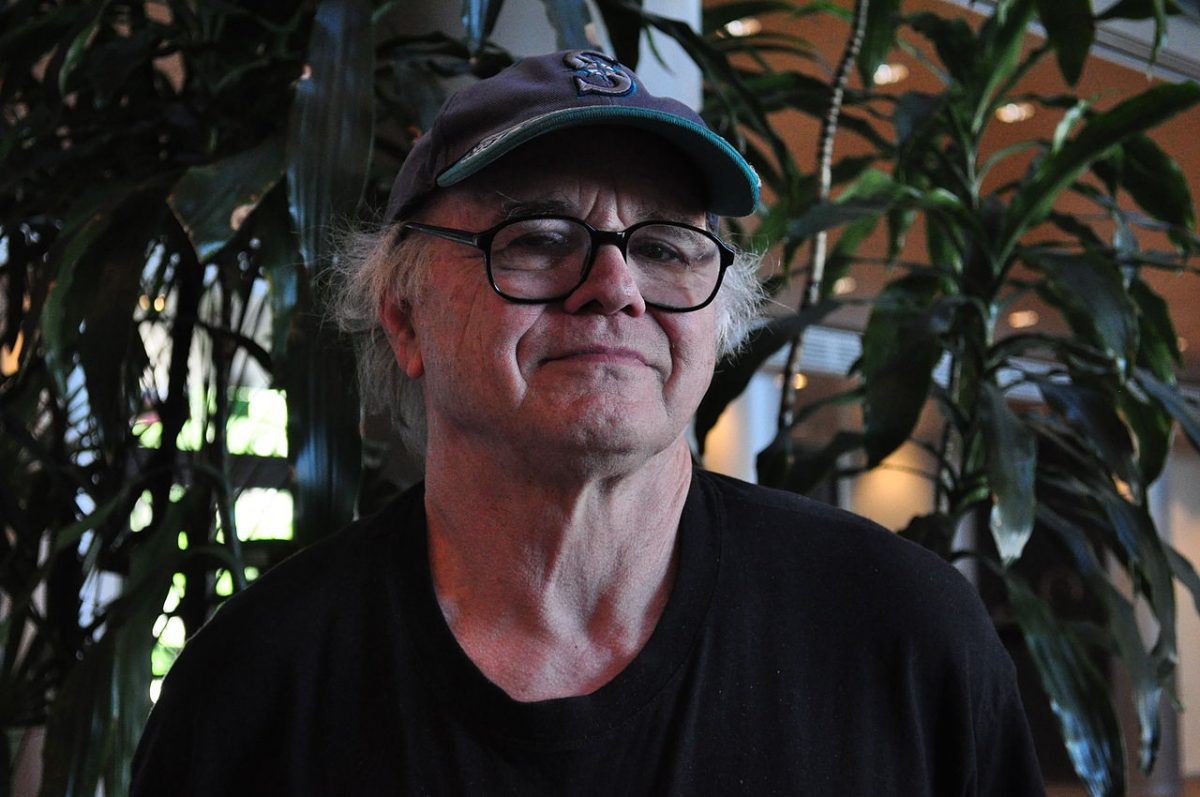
[[170, 172], [1072, 467]]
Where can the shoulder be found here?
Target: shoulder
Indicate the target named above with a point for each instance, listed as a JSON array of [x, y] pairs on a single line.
[[304, 628], [315, 598], [800, 549]]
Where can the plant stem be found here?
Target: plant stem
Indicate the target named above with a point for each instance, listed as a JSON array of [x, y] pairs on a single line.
[[816, 274]]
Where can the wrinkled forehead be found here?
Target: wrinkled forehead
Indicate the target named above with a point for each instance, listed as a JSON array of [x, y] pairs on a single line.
[[573, 172]]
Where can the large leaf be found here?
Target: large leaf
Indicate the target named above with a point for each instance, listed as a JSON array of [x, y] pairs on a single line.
[[998, 55], [1057, 171], [1153, 429], [1186, 573], [329, 149], [1071, 30], [879, 37], [213, 200], [624, 30], [282, 267], [1092, 414], [479, 17], [1078, 692], [954, 40], [60, 327], [1122, 624], [111, 351], [1158, 345], [1147, 562], [1089, 289], [734, 373], [331, 126], [1011, 456], [1154, 180], [570, 19], [1172, 401], [900, 349], [869, 196], [98, 715]]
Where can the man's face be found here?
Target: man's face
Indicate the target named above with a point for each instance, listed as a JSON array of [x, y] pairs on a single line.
[[599, 376]]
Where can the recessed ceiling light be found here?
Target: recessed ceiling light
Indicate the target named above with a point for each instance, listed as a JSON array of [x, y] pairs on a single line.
[[746, 26], [887, 74], [1015, 112], [844, 285]]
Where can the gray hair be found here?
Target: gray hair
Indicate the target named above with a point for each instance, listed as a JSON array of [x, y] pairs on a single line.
[[373, 267]]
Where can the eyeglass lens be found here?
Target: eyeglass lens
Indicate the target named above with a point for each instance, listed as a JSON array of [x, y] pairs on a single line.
[[545, 258]]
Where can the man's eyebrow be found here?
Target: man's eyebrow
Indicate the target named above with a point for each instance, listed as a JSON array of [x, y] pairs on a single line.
[[511, 208]]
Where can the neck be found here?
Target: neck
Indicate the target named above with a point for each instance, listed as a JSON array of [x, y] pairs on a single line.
[[552, 585]]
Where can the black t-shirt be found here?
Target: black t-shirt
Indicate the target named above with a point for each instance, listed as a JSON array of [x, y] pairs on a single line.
[[803, 651]]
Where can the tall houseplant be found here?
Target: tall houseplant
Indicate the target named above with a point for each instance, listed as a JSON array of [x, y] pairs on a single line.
[[1074, 468], [169, 172]]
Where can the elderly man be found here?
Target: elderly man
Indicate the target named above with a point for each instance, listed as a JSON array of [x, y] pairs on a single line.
[[566, 605]]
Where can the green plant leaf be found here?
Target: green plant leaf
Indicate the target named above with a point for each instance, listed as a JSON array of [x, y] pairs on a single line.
[[1167, 395], [1155, 181], [1011, 456], [1071, 30], [1158, 345], [1153, 429], [934, 531], [479, 18], [1122, 624], [1089, 290], [869, 196], [734, 373], [1104, 131], [331, 125], [1001, 39], [954, 40], [111, 350], [1186, 573], [329, 149], [283, 269], [570, 19], [878, 38], [1077, 690], [624, 30], [75, 50], [1147, 563], [97, 717], [914, 112], [1092, 414], [211, 201], [91, 219], [900, 350], [1138, 9]]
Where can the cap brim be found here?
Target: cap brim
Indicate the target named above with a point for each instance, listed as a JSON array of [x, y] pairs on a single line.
[[733, 185]]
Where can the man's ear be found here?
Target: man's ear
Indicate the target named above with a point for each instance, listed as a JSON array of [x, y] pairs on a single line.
[[396, 317]]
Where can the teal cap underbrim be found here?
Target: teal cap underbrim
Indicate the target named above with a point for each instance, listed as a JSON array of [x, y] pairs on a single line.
[[733, 185]]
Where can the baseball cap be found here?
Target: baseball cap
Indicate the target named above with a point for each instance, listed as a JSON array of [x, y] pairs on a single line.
[[481, 123]]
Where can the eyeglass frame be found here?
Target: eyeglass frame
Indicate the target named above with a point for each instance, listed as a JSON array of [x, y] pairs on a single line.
[[482, 241]]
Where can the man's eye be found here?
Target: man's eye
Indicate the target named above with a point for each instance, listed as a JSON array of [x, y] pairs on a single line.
[[659, 253], [542, 241]]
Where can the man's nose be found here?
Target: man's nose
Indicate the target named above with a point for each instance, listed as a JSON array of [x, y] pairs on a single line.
[[611, 286]]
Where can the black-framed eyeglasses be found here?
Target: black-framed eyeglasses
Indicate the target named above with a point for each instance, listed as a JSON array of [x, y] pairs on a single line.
[[540, 259]]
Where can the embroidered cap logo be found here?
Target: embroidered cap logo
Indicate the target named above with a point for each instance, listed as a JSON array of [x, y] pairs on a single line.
[[596, 73]]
